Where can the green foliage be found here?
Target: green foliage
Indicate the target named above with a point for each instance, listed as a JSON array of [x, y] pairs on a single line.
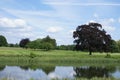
[[13, 45], [114, 46], [56, 57], [33, 44], [118, 43], [108, 56], [65, 47], [32, 55], [46, 43], [47, 46], [3, 41], [49, 40]]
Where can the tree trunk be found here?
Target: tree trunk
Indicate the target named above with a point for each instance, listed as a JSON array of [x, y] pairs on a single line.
[[90, 52]]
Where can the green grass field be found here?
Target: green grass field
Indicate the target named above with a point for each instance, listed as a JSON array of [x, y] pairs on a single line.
[[55, 57]]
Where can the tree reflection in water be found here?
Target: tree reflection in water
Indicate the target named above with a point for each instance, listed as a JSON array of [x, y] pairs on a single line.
[[2, 68], [46, 69], [90, 72], [44, 72]]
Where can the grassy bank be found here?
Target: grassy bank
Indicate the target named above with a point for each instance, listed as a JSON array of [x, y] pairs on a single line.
[[55, 57]]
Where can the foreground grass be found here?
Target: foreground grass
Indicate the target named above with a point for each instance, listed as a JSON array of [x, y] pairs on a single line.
[[55, 57]]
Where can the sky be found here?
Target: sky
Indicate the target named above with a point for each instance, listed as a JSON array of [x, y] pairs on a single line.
[[35, 19]]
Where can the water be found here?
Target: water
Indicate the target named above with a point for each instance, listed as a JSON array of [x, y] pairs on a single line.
[[59, 72]]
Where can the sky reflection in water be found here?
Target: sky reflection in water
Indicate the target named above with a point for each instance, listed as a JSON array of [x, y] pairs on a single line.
[[21, 73]]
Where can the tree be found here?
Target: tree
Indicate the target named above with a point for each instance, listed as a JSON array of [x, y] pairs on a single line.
[[36, 44], [46, 43], [65, 47], [118, 43], [114, 46], [47, 46], [49, 40], [3, 41], [92, 37], [24, 42]]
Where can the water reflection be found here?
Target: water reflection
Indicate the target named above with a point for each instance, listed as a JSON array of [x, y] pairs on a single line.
[[47, 70], [89, 72], [47, 73]]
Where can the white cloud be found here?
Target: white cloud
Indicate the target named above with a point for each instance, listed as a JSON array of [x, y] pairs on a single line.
[[53, 76], [95, 15], [74, 3], [17, 24], [109, 28], [20, 22], [32, 12], [15, 29], [92, 21], [119, 20], [54, 29], [111, 20], [108, 24], [71, 31], [12, 23]]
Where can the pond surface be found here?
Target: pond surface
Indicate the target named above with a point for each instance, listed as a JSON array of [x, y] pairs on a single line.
[[59, 72]]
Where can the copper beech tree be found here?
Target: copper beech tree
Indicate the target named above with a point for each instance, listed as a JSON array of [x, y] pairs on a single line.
[[91, 37]]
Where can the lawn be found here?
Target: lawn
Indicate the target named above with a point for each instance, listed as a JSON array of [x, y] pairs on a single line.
[[55, 57]]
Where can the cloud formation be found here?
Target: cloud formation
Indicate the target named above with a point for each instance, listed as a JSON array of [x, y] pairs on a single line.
[[17, 24], [54, 29], [13, 23]]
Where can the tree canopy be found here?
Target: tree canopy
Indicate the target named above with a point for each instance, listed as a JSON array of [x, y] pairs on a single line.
[[24, 42], [46, 43], [92, 38], [3, 41]]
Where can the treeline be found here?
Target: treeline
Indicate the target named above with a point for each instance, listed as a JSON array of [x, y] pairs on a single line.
[[65, 47], [49, 43], [115, 46], [46, 43]]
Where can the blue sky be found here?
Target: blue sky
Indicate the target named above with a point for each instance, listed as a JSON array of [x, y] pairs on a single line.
[[57, 18]]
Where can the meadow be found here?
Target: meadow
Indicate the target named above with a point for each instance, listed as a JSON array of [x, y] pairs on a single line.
[[21, 56]]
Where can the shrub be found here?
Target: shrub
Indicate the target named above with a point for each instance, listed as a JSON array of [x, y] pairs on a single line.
[[32, 55], [108, 56]]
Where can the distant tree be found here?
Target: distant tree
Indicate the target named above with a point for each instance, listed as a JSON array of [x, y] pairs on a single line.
[[24, 42], [114, 46], [47, 46], [46, 43], [118, 43], [13, 45], [3, 41], [92, 37], [10, 45], [16, 45], [36, 44], [49, 40], [65, 47]]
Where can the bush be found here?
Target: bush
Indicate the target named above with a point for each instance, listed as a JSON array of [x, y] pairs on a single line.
[[32, 55], [108, 56], [47, 46]]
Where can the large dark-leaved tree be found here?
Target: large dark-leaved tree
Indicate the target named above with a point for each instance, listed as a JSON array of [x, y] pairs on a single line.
[[92, 37], [23, 43]]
